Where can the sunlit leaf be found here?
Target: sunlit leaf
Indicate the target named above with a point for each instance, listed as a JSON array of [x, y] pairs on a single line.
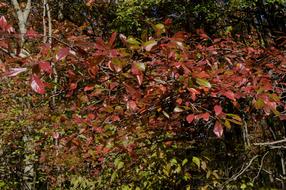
[[133, 41], [38, 85], [15, 71], [62, 53], [203, 83], [178, 109], [184, 161], [149, 45], [218, 129], [166, 114], [234, 116], [197, 161]]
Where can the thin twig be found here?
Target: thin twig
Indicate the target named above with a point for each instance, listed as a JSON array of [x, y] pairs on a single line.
[[270, 143], [260, 168]]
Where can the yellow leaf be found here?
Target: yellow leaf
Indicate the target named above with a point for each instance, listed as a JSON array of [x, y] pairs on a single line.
[[227, 124]]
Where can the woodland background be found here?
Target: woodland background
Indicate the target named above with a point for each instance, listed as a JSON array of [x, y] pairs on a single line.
[[142, 94]]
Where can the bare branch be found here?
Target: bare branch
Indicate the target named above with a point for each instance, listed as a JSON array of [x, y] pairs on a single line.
[[235, 176]]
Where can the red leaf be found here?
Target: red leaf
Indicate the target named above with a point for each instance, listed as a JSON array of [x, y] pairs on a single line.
[[31, 33], [193, 92], [282, 117], [190, 118], [112, 39], [105, 150], [115, 118], [179, 101], [38, 85], [45, 66], [62, 53], [73, 86], [5, 26], [2, 5], [168, 22], [229, 94], [204, 116], [131, 105], [88, 88], [91, 116], [202, 74], [15, 71], [218, 129], [218, 110], [100, 44], [132, 91]]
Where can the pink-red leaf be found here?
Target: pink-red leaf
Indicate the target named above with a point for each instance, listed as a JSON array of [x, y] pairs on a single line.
[[88, 88], [204, 116], [229, 94], [31, 33], [45, 66], [190, 118], [218, 110], [218, 129], [131, 105], [38, 85], [5, 26], [100, 44], [112, 39]]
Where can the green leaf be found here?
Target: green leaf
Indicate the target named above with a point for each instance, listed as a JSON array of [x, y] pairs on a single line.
[[160, 27], [133, 41], [174, 162], [178, 169], [196, 160], [118, 163], [140, 66], [114, 176], [235, 121], [184, 161], [234, 116], [243, 186], [203, 82]]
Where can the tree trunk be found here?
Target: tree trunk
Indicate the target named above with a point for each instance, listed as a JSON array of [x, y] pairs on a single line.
[[22, 16]]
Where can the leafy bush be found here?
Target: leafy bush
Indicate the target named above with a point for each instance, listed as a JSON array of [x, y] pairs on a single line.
[[159, 112]]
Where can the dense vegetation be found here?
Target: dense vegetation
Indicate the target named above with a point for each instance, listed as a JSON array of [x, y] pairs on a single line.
[[150, 94]]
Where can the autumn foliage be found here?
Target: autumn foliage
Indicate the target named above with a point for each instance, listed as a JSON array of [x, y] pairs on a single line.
[[128, 110]]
